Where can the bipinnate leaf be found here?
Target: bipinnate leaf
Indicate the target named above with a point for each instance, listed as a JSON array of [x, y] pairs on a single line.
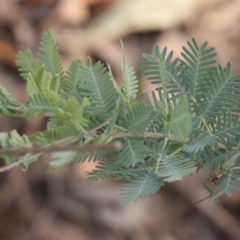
[[27, 64], [49, 56], [140, 187], [179, 125], [130, 82]]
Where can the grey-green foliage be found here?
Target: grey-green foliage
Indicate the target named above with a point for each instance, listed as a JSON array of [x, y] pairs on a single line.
[[189, 121]]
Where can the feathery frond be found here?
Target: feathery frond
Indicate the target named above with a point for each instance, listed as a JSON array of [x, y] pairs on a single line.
[[36, 84], [49, 56], [10, 106], [140, 187], [133, 152], [71, 157], [98, 88], [199, 141], [190, 122], [179, 124], [140, 118], [130, 82], [220, 96], [115, 169], [174, 168], [160, 70], [216, 162], [14, 141], [196, 66], [37, 105], [73, 76], [229, 181], [226, 128], [26, 63]]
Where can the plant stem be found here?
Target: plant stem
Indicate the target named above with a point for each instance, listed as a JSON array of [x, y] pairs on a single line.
[[205, 124], [161, 154], [43, 150], [145, 135], [175, 152]]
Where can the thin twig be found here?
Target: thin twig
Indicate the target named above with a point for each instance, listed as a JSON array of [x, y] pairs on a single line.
[[145, 135], [42, 150], [8, 167], [80, 148], [203, 199]]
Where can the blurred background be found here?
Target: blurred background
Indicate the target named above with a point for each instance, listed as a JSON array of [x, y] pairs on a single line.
[[60, 205]]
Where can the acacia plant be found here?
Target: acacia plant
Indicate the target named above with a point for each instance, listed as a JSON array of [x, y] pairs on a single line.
[[189, 121]]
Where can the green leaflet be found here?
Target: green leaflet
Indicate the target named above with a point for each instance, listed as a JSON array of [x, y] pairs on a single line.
[[73, 75], [160, 69], [27, 64], [221, 95], [216, 161], [117, 89], [140, 187], [199, 141], [226, 128], [196, 66], [229, 181], [37, 106], [140, 118], [53, 133], [49, 56], [10, 106], [130, 82], [175, 115], [69, 157], [15, 141], [97, 86], [174, 168], [133, 152], [114, 169], [63, 158], [179, 124], [169, 166]]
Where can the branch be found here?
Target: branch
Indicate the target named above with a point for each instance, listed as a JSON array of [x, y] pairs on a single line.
[[8, 167], [87, 147], [145, 135], [42, 150], [203, 199]]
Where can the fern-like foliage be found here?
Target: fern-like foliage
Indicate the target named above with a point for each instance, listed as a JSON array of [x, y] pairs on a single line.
[[196, 66], [37, 106], [221, 94], [74, 74], [15, 141], [161, 69], [198, 142], [140, 187], [188, 122], [179, 124], [133, 152], [130, 82], [173, 168], [114, 169], [69, 157], [140, 118], [230, 181], [10, 106], [27, 64], [97, 87], [49, 56]]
